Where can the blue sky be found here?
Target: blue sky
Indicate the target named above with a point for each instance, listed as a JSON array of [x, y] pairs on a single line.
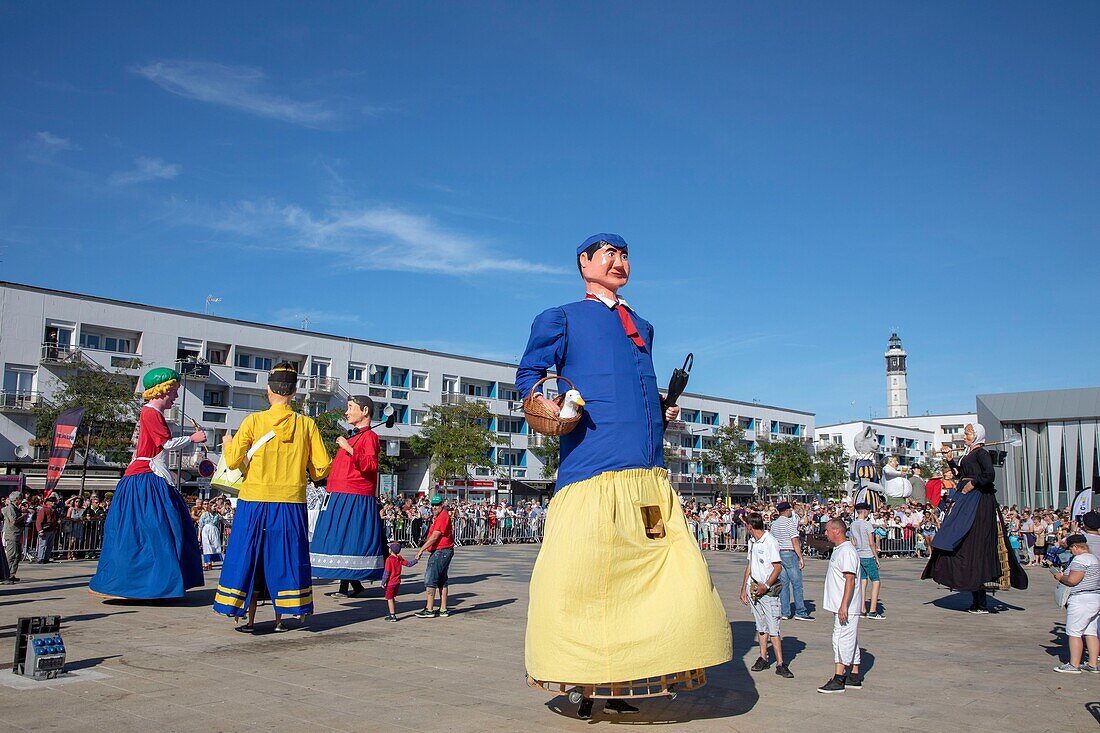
[[796, 181]]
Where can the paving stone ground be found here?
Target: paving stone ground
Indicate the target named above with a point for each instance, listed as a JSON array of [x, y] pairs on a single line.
[[180, 667]]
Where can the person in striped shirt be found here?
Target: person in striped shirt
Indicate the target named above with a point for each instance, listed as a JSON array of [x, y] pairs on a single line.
[[1083, 608], [785, 530]]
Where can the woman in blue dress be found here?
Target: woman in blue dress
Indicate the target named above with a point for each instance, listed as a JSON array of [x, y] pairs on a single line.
[[150, 549], [349, 540]]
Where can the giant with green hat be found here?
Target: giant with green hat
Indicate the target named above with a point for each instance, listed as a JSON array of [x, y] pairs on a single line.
[[159, 381]]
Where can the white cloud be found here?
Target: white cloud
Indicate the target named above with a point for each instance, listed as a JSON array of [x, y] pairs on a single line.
[[237, 87], [369, 238], [55, 142], [146, 169]]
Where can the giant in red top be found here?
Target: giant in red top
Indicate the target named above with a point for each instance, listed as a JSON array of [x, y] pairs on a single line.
[[442, 524], [153, 433], [356, 472]]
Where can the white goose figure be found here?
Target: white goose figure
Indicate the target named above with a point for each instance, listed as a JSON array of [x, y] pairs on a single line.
[[573, 400]]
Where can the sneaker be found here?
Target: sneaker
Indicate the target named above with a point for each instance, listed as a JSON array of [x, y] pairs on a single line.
[[443, 613], [619, 706], [782, 671], [1067, 668], [426, 613], [336, 594], [786, 617], [855, 683], [806, 617], [760, 664], [391, 617], [978, 611], [877, 615], [833, 685], [1089, 668]]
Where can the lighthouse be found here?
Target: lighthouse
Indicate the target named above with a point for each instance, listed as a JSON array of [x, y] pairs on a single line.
[[897, 387]]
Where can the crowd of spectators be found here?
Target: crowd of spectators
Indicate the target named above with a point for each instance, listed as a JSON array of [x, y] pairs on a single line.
[[72, 527]]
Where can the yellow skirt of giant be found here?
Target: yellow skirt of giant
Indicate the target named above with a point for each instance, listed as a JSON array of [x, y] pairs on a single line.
[[620, 590]]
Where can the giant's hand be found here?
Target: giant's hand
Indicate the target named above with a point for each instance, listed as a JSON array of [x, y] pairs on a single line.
[[672, 412], [198, 437]]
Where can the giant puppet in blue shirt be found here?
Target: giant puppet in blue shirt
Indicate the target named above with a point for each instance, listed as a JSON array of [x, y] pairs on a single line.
[[620, 591], [585, 341]]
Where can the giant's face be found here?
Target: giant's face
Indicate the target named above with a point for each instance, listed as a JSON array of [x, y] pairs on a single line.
[[165, 401], [969, 434], [354, 413], [609, 267]]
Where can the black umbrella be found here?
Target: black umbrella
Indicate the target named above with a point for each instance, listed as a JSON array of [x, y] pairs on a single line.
[[677, 383]]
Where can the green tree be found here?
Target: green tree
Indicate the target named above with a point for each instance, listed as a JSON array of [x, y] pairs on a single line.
[[672, 456], [548, 451], [457, 439], [789, 465], [110, 412], [730, 457], [329, 425], [831, 468]]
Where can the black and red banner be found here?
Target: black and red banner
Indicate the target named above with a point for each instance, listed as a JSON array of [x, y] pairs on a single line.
[[64, 437]]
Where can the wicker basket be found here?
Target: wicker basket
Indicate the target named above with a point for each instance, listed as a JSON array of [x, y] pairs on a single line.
[[542, 420]]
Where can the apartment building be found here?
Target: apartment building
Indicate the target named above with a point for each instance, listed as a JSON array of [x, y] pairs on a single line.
[[45, 334], [910, 445]]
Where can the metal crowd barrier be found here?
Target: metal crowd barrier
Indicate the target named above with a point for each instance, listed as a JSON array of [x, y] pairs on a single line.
[[73, 540], [734, 537], [468, 531]]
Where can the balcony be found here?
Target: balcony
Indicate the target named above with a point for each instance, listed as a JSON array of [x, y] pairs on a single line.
[[71, 356], [22, 402], [193, 370], [322, 385], [676, 426], [452, 398]]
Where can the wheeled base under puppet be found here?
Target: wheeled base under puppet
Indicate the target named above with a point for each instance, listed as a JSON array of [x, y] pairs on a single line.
[[666, 685]]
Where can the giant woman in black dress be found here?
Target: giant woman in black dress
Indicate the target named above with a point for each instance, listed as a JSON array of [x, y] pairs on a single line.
[[971, 551]]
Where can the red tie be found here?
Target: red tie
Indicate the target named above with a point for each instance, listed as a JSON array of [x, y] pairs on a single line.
[[628, 323]]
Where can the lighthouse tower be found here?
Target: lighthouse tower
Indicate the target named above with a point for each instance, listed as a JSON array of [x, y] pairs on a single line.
[[897, 387]]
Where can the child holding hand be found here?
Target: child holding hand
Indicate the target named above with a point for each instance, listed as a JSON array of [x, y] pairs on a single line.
[[391, 577]]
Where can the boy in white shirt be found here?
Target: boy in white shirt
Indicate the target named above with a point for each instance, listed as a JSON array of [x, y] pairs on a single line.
[[761, 577], [843, 597]]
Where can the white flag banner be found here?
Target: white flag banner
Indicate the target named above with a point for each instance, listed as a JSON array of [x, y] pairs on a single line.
[[1082, 503]]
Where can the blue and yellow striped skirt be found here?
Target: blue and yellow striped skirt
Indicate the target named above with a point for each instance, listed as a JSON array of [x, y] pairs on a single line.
[[268, 553]]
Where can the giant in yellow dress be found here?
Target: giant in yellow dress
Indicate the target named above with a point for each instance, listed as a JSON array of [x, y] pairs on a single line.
[[610, 602]]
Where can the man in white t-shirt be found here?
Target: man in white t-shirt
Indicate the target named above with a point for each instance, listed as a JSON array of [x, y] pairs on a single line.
[[844, 598], [1083, 607], [758, 588]]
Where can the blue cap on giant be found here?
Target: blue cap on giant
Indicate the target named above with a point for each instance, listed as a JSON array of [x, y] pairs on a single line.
[[613, 239]]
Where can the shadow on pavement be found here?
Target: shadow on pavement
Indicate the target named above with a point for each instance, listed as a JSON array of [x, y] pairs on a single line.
[[88, 663], [961, 601], [1059, 643], [730, 691], [194, 598]]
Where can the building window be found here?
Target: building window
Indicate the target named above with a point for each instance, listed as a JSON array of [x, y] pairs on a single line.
[[510, 425], [355, 372], [399, 377], [213, 398], [213, 417], [264, 363], [379, 374], [319, 367], [509, 393], [244, 361], [89, 340], [417, 417], [420, 381], [244, 376]]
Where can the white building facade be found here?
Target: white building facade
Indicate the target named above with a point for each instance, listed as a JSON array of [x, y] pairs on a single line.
[[45, 334], [944, 428], [910, 445]]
